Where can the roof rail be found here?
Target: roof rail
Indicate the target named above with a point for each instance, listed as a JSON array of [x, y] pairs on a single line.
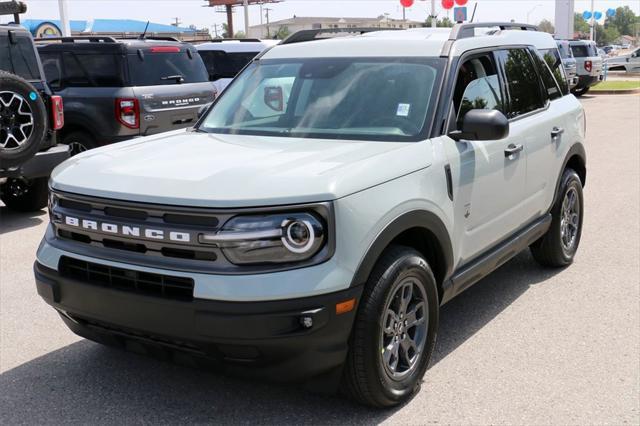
[[72, 39], [310, 35], [467, 30], [151, 37], [14, 8], [220, 40]]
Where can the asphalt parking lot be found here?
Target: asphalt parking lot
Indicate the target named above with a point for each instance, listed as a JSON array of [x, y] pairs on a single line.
[[524, 346]]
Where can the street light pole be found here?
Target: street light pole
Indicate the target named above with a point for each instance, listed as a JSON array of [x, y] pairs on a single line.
[[593, 23], [64, 18]]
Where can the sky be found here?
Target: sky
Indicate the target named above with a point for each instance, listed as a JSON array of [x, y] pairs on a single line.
[[192, 11]]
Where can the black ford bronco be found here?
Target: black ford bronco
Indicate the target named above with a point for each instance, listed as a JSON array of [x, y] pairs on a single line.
[[30, 117]]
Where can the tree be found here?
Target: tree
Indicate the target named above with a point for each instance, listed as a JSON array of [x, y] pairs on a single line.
[[607, 35], [579, 24], [624, 21], [440, 23], [282, 33], [546, 26]]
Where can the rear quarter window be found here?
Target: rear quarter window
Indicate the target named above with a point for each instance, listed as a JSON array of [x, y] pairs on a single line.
[[71, 69], [551, 58], [160, 68], [20, 57]]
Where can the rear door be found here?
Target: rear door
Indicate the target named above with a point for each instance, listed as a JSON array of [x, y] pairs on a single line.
[[171, 84]]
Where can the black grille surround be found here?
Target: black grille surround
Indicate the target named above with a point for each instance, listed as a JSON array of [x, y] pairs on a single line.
[[150, 284], [185, 256]]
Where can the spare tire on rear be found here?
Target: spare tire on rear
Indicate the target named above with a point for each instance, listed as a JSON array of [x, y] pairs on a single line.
[[23, 120]]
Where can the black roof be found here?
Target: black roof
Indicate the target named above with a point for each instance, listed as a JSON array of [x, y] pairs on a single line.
[[105, 44]]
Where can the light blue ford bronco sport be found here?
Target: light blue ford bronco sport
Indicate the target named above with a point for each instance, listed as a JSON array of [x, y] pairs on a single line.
[[311, 224]]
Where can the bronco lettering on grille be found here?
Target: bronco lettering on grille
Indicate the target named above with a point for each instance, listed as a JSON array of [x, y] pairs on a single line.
[[126, 230]]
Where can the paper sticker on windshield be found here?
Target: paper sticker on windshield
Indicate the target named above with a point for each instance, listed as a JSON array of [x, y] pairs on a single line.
[[403, 110]]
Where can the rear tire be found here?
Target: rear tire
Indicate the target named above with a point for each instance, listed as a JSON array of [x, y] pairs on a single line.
[[23, 120], [390, 347], [79, 142], [559, 245], [25, 195], [581, 91]]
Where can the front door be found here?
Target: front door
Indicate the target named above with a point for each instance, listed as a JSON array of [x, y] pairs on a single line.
[[488, 176]]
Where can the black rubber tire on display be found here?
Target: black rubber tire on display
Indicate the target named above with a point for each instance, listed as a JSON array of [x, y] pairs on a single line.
[[365, 376], [78, 142], [12, 154], [549, 250], [25, 195]]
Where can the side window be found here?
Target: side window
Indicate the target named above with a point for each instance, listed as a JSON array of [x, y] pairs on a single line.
[[552, 58], [477, 87], [552, 73], [522, 81], [103, 70], [52, 66], [74, 74]]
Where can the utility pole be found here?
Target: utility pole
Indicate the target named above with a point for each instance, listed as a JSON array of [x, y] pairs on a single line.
[[266, 11], [229, 9], [176, 22], [215, 29], [64, 18]]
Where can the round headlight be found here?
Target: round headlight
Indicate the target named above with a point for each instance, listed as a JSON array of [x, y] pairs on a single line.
[[298, 235]]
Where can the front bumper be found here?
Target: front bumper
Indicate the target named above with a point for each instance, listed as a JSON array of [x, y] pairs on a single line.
[[268, 339]]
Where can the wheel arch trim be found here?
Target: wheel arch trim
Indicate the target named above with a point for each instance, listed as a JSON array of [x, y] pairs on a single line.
[[423, 219], [576, 150]]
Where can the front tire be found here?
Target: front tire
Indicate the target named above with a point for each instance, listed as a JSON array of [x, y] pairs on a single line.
[[24, 195], [559, 245], [394, 331]]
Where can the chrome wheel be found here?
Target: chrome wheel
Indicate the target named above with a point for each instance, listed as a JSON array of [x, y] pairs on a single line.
[[404, 329], [16, 120], [570, 220]]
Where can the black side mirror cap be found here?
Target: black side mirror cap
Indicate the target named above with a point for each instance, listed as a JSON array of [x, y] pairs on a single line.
[[482, 125]]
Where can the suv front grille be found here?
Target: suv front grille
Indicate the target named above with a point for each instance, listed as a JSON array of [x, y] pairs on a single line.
[[165, 219], [165, 286]]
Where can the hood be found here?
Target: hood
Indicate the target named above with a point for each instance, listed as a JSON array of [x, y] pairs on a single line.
[[189, 168]]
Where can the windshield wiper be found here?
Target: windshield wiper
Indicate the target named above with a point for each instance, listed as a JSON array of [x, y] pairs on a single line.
[[177, 77]]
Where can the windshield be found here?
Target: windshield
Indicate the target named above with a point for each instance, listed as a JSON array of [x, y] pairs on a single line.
[[158, 68], [225, 65], [339, 98]]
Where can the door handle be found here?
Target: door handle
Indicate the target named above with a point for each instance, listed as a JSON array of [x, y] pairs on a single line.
[[512, 149], [556, 132]]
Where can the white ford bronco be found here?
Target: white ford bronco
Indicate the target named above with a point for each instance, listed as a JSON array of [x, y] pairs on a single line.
[[311, 224]]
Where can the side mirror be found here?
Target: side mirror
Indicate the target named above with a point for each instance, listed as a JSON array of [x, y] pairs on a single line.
[[482, 125], [203, 109], [274, 98]]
